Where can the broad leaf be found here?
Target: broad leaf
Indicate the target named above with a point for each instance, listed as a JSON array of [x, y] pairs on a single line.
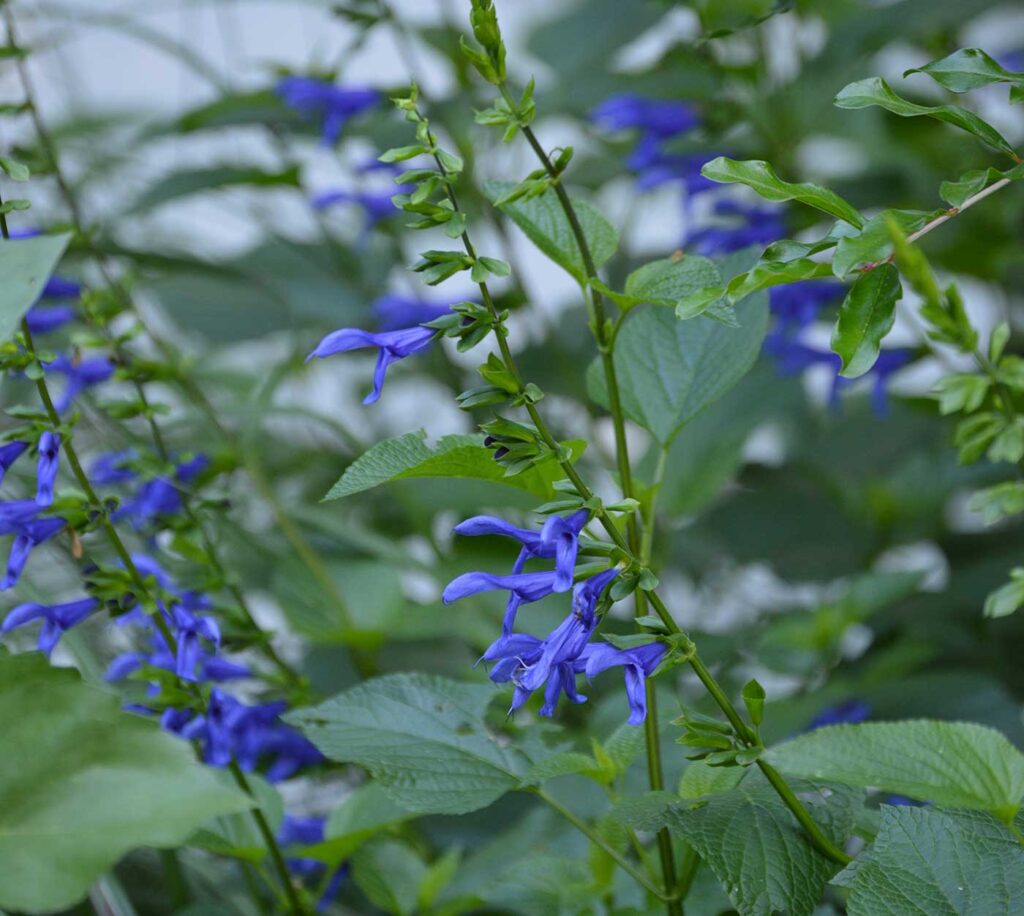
[[867, 314], [968, 68], [760, 176], [756, 848], [669, 370], [959, 764], [876, 91], [422, 737], [25, 265], [546, 225], [389, 873], [667, 281], [193, 181], [82, 783], [457, 456], [943, 863]]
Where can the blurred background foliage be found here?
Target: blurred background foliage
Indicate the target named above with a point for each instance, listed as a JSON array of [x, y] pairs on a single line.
[[827, 550]]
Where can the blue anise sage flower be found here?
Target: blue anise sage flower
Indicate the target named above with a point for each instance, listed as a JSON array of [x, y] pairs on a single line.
[[46, 473], [333, 105], [24, 520], [393, 311], [393, 346], [10, 453], [638, 663], [655, 117], [523, 588], [80, 374], [57, 619]]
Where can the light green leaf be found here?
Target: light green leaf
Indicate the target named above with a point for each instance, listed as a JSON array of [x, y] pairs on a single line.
[[760, 176], [649, 811], [765, 274], [545, 224], [16, 171], [968, 68], [959, 764], [865, 317], [667, 281], [1008, 598], [939, 863], [876, 91], [874, 243], [970, 183], [409, 456], [670, 370], [565, 763], [237, 835], [422, 737], [194, 181], [997, 502], [755, 847], [699, 779], [389, 873], [82, 783], [25, 265]]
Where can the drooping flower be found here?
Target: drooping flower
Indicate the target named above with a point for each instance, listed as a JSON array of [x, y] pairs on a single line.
[[23, 519], [849, 712], [558, 538], [332, 105], [80, 374], [394, 311], [57, 619], [376, 205], [523, 588], [638, 664], [10, 453], [46, 475], [656, 117], [393, 345]]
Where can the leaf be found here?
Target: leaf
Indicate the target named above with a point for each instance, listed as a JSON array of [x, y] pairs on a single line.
[[82, 783], [955, 193], [649, 811], [408, 456], [867, 314], [876, 91], [669, 371], [566, 763], [760, 176], [960, 764], [756, 848], [25, 265], [422, 737], [389, 873], [667, 281], [765, 274], [943, 863], [193, 181], [968, 68], [16, 171], [874, 243], [999, 501], [1008, 598], [237, 835], [545, 224]]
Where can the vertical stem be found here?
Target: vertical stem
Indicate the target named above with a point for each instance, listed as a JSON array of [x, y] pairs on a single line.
[[657, 783]]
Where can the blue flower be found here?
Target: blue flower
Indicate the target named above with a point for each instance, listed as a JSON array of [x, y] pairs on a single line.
[[307, 831], [21, 518], [743, 226], [523, 588], [655, 167], [376, 205], [206, 667], [61, 288], [638, 664], [849, 712], [154, 499], [558, 539], [46, 474], [80, 374], [45, 319], [333, 105], [796, 305], [393, 345], [190, 629], [57, 619], [10, 453], [393, 311], [656, 117]]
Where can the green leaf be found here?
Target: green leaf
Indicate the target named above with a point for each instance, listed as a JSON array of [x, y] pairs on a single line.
[[874, 243], [422, 737], [968, 68], [456, 456], [876, 91], [700, 779], [545, 224], [25, 265], [765, 274], [194, 181], [1007, 599], [82, 783], [669, 371], [865, 317], [959, 764], [16, 171], [955, 193], [943, 863], [667, 281], [565, 763], [389, 873], [760, 176], [997, 502], [756, 848]]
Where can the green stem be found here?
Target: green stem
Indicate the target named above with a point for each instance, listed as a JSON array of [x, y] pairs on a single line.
[[656, 780], [601, 843]]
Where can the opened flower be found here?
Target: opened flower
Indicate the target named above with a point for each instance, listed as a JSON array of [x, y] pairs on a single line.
[[638, 664], [57, 619]]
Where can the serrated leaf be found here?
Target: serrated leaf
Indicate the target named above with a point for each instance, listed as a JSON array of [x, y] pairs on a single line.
[[667, 281], [456, 456], [876, 91], [83, 782], [755, 847], [960, 764], [564, 763], [648, 811], [759, 175], [669, 371], [543, 221], [699, 779], [422, 737], [865, 317], [968, 68], [943, 863], [25, 265]]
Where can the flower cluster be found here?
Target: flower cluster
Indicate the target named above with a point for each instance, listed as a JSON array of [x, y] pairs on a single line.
[[530, 663], [149, 500]]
